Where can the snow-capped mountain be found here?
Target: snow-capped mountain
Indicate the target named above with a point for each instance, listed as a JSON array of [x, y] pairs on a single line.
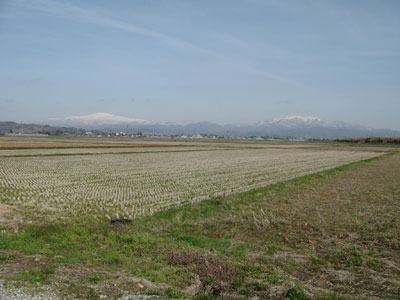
[[314, 121], [291, 126], [298, 120], [97, 119]]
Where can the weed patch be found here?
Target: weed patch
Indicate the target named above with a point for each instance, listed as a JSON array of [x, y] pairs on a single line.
[[37, 275], [296, 293], [215, 274]]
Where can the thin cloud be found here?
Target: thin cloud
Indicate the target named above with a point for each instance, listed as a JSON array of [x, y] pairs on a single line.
[[101, 18], [80, 14]]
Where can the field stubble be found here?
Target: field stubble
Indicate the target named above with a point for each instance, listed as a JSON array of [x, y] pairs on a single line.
[[121, 185]]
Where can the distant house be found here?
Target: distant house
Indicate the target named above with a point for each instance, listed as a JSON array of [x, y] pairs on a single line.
[[197, 136]]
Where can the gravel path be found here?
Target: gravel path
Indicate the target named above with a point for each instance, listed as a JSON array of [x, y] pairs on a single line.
[[11, 293]]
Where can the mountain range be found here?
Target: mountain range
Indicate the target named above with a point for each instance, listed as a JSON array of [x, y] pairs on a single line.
[[291, 126]]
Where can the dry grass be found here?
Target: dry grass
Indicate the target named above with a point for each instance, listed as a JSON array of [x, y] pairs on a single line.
[[90, 150], [79, 142], [339, 232]]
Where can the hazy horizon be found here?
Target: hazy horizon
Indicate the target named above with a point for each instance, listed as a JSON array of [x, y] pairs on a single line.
[[188, 61], [97, 118]]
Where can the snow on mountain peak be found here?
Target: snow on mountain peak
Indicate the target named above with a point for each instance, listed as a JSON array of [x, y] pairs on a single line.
[[101, 118], [298, 121], [305, 119]]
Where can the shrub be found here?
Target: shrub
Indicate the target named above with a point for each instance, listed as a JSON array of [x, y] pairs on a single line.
[[215, 274], [174, 294], [296, 293], [204, 296]]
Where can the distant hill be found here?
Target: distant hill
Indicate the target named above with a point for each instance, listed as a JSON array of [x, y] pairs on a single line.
[[292, 126], [13, 127], [288, 127]]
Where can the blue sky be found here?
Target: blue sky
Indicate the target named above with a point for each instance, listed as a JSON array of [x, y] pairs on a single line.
[[184, 61]]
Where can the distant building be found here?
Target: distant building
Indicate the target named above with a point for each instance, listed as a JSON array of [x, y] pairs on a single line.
[[197, 136]]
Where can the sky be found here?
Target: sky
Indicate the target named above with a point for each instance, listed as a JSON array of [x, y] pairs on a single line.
[[188, 61]]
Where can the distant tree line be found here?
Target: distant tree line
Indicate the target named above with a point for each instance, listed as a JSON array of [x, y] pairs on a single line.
[[15, 128], [370, 140]]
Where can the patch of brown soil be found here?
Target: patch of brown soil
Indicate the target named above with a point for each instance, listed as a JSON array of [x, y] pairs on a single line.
[[12, 263], [8, 216], [112, 282]]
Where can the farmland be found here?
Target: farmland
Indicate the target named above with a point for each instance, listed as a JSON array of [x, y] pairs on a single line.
[[132, 185], [210, 219]]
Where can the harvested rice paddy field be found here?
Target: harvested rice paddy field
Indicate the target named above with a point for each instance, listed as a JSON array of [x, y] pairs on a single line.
[[210, 219]]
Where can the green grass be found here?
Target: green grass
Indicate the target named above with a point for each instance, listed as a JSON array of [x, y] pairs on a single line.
[[296, 293], [36, 275], [96, 277], [204, 296]]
